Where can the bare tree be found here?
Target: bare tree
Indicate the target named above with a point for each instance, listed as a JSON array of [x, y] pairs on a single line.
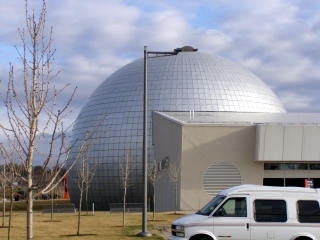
[[90, 172], [125, 169], [174, 175], [12, 171], [155, 173], [4, 185], [85, 171], [52, 195], [51, 172], [32, 115]]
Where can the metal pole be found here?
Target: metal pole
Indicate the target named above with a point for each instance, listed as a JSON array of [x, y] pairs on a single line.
[[144, 232]]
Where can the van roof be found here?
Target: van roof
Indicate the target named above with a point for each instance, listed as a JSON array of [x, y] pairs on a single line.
[[280, 191]]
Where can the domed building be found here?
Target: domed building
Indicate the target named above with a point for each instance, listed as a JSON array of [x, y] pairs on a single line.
[[194, 81]]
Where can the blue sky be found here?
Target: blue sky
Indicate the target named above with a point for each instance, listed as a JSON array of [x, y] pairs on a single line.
[[278, 40]]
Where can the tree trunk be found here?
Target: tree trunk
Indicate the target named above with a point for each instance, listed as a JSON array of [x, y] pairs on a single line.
[[10, 214], [175, 205], [154, 202], [51, 217], [3, 204], [124, 207], [30, 193], [30, 215], [87, 188], [87, 201], [79, 212]]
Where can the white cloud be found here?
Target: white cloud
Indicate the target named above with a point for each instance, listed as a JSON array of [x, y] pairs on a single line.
[[277, 39], [301, 102]]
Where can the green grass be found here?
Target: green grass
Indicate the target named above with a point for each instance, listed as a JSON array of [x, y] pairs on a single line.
[[101, 225]]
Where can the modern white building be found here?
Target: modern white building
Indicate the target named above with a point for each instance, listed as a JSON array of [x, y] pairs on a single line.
[[218, 150]]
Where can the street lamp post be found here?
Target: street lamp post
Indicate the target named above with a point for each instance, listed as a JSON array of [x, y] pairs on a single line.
[[145, 232]]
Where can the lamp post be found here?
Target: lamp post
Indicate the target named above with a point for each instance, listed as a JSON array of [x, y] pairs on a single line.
[[145, 232]]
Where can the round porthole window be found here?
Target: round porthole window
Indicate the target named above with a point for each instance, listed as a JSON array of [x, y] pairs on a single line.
[[219, 177]]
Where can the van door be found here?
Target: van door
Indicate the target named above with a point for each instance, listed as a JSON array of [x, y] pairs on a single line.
[[269, 219], [231, 220]]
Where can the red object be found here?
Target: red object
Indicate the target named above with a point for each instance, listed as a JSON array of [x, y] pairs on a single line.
[[308, 183], [305, 183], [66, 194]]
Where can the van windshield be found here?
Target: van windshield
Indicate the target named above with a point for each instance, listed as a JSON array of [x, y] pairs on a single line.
[[207, 209]]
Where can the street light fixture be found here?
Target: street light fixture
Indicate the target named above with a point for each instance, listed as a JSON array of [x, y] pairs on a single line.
[[145, 232]]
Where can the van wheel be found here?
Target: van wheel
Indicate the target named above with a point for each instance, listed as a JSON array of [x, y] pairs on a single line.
[[303, 238], [201, 237]]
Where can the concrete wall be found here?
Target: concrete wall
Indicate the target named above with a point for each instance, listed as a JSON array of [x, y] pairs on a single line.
[[199, 147], [203, 146], [288, 143], [292, 174], [167, 140]]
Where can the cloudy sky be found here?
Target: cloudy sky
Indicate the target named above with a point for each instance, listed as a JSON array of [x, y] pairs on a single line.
[[278, 40]]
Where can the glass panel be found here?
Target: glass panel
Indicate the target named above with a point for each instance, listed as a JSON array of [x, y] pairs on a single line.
[[270, 211], [294, 182], [273, 166], [273, 182], [296, 166], [308, 211], [314, 166], [233, 207], [207, 209]]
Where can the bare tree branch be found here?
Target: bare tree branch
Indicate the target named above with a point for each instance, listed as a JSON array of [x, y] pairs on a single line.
[[33, 114], [174, 176], [125, 169], [11, 172], [155, 173], [85, 171]]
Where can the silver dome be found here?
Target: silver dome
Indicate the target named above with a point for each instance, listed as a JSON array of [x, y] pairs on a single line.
[[188, 81]]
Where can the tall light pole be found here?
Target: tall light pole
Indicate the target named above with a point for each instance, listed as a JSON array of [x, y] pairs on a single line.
[[145, 232]]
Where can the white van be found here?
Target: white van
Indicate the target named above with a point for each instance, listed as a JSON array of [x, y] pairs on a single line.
[[254, 212]]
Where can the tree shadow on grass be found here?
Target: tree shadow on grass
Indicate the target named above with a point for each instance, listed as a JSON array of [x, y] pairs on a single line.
[[80, 235], [176, 214], [52, 221], [154, 236]]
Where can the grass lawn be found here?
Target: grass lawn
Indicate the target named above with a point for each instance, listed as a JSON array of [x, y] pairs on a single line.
[[101, 225]]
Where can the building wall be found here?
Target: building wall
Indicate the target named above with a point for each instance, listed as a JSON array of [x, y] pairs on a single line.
[[167, 141], [204, 146], [199, 147], [247, 148], [288, 143], [292, 174]]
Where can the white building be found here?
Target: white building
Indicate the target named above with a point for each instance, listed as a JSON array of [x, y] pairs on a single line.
[[218, 150]]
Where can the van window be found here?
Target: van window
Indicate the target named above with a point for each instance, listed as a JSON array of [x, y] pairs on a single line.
[[207, 209], [270, 211], [233, 207], [308, 211]]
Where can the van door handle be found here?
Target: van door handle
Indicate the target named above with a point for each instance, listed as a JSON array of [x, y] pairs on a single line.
[[247, 226]]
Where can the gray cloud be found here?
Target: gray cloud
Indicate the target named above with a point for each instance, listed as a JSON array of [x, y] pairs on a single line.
[[277, 40]]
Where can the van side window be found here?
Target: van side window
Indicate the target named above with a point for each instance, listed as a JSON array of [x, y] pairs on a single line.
[[270, 211], [308, 211], [233, 207]]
